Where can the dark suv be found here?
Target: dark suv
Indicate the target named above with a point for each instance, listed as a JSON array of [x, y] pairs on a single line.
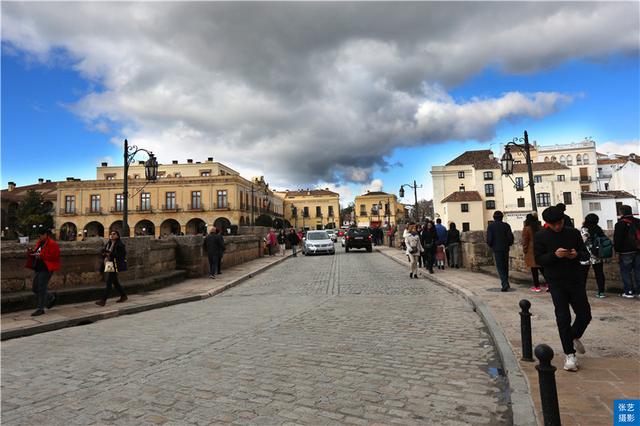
[[359, 238]]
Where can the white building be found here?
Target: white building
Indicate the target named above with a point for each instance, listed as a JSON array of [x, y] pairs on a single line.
[[606, 204], [627, 177]]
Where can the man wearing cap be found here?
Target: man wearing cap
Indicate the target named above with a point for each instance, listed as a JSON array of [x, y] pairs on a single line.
[[559, 250], [500, 239]]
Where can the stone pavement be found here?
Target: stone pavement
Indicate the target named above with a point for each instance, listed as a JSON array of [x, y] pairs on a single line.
[[609, 370], [21, 323], [333, 340]]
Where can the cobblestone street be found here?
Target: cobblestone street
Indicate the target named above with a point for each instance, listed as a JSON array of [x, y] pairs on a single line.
[[344, 339]]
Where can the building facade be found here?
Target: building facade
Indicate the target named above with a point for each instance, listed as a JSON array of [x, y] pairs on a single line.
[[13, 195], [185, 199], [311, 209], [606, 205], [377, 209], [470, 188]]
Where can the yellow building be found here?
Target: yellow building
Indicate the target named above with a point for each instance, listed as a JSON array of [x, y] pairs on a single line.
[[311, 208], [378, 209], [186, 198]]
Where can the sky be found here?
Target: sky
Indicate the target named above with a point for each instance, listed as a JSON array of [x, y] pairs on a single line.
[[349, 96]]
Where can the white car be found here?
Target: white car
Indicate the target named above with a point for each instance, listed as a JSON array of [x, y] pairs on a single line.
[[317, 242], [332, 234]]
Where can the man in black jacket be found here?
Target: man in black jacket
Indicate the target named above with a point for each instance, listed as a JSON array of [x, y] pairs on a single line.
[[559, 250], [213, 245], [626, 243], [568, 222], [500, 238]]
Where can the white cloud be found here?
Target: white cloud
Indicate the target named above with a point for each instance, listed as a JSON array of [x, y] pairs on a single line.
[[308, 92], [619, 147]]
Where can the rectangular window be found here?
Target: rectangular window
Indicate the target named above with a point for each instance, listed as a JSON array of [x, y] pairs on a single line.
[[461, 175], [465, 226], [560, 178], [330, 211], [594, 207], [491, 205], [537, 178], [223, 202], [461, 189], [205, 173], [543, 199], [70, 204], [196, 199], [110, 176], [318, 211], [305, 212], [241, 201], [170, 200], [567, 198], [119, 202], [609, 224], [488, 175], [464, 207], [95, 203], [519, 184], [488, 190], [145, 201], [363, 210], [520, 202]]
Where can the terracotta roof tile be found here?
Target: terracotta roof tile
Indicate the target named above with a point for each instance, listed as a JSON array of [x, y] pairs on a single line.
[[459, 196], [374, 193], [607, 194], [481, 159], [306, 193], [537, 167]]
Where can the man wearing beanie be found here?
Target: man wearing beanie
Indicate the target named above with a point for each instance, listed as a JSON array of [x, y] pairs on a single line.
[[559, 250], [568, 222]]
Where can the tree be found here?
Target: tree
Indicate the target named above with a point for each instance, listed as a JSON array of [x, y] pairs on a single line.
[[346, 214], [33, 213], [425, 207]]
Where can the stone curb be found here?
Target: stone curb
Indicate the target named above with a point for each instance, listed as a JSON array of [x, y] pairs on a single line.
[[128, 310], [522, 408]]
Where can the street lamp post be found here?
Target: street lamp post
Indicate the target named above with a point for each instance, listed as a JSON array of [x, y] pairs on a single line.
[[415, 195], [151, 174], [294, 215], [506, 163]]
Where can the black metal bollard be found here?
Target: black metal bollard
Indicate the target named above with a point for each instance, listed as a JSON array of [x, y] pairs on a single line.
[[525, 331], [548, 390]]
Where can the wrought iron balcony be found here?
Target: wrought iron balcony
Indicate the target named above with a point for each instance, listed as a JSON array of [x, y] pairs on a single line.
[[171, 208], [144, 209], [116, 209], [93, 211], [68, 212], [195, 207]]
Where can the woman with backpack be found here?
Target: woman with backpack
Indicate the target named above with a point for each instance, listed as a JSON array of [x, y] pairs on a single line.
[[531, 227], [594, 239], [429, 239], [414, 250]]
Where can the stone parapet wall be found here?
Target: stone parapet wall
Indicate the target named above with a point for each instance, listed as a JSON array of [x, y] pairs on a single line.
[[146, 256]]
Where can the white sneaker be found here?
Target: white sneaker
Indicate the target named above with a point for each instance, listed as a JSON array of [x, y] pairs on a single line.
[[577, 344], [571, 362], [628, 295]]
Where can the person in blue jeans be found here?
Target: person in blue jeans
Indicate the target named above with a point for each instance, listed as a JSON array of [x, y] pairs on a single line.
[[626, 243], [500, 239]]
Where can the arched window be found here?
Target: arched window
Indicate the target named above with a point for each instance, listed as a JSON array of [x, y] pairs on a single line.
[[553, 158], [569, 160], [562, 159], [579, 160], [546, 159], [585, 159]]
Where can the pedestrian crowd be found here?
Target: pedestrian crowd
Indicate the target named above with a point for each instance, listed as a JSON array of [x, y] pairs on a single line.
[[555, 251]]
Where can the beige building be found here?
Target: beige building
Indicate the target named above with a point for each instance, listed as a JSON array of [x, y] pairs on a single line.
[[469, 189], [311, 208], [186, 198], [377, 209], [13, 195], [580, 157]]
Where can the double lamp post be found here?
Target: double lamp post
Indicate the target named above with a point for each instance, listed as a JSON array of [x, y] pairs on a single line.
[[150, 172], [506, 164]]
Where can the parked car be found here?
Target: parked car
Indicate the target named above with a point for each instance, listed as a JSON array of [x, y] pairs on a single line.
[[318, 242], [332, 234], [359, 238]]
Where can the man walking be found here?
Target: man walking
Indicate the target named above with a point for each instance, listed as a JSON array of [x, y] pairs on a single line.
[[219, 232], [213, 245], [442, 237], [559, 250], [44, 259], [293, 241], [500, 239], [626, 242]]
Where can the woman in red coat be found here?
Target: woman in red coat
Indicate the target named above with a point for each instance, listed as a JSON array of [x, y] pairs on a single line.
[[44, 259]]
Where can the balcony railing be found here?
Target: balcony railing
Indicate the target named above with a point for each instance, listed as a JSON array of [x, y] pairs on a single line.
[[224, 206], [171, 208], [489, 194], [195, 207], [91, 210], [363, 213], [585, 179], [68, 212], [116, 209], [147, 209]]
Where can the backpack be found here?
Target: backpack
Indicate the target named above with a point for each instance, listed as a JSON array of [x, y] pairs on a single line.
[[633, 232], [603, 246]]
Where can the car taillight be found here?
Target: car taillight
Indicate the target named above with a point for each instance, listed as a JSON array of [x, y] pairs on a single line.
[[369, 236], [346, 238]]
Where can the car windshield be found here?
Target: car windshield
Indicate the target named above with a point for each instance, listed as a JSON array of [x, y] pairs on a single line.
[[317, 236], [359, 232]]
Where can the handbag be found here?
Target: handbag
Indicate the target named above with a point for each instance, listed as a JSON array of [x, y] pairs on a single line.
[[109, 266]]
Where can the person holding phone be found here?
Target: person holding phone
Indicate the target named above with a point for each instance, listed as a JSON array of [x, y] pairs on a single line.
[[559, 250]]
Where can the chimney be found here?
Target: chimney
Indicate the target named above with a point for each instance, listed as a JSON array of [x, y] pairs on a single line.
[[174, 162], [77, 180], [105, 164], [491, 157], [141, 162], [210, 159], [632, 157], [198, 162], [48, 181], [12, 186], [70, 179], [190, 161], [40, 181]]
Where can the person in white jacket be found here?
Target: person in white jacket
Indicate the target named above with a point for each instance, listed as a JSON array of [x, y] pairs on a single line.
[[414, 250]]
